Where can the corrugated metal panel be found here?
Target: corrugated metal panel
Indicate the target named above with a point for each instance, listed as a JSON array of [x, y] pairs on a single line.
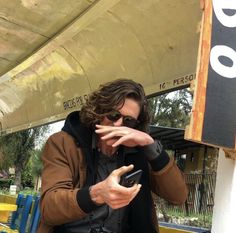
[[171, 138]]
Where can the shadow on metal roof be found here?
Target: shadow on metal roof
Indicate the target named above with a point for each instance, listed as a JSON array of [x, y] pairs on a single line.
[[172, 138]]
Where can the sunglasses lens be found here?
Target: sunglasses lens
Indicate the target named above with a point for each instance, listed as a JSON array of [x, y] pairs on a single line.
[[127, 120], [114, 116], [130, 122]]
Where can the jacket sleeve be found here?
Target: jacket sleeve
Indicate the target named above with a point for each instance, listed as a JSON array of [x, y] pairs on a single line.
[[169, 183], [59, 197]]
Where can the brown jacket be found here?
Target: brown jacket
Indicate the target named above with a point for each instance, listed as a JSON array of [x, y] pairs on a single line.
[[65, 172]]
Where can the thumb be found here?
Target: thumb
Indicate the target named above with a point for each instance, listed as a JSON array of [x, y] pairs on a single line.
[[122, 170]]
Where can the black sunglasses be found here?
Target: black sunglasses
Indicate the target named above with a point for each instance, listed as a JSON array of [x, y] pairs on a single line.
[[128, 121]]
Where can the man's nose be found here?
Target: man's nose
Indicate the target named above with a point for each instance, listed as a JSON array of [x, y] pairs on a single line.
[[119, 122]]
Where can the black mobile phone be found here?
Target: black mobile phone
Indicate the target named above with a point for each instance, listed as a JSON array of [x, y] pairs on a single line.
[[131, 179]]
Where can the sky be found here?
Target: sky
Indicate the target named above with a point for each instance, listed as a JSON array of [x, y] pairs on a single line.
[[56, 127]]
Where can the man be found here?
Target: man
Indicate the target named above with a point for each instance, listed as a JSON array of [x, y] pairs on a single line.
[[83, 165]]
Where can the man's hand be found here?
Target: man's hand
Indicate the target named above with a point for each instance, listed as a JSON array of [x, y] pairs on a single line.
[[111, 192], [125, 136]]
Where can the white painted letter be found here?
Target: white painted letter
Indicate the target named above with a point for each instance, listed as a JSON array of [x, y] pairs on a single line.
[[219, 6], [218, 67]]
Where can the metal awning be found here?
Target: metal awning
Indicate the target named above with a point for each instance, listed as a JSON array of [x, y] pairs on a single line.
[[54, 53], [172, 138]]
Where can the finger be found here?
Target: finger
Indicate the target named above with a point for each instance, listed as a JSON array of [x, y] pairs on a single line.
[[109, 135], [128, 192], [136, 192], [126, 199], [118, 199], [112, 135], [124, 194], [119, 205], [105, 131], [105, 127], [122, 140], [121, 199], [122, 170], [101, 126]]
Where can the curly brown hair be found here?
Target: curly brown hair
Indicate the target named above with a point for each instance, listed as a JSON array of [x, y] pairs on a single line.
[[111, 96]]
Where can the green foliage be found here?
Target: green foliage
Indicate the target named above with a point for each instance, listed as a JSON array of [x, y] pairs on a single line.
[[36, 162], [29, 191], [197, 220], [171, 109], [17, 148], [5, 183], [27, 176]]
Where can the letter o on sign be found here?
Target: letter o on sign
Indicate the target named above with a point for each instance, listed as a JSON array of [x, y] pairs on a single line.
[[217, 66], [220, 6]]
